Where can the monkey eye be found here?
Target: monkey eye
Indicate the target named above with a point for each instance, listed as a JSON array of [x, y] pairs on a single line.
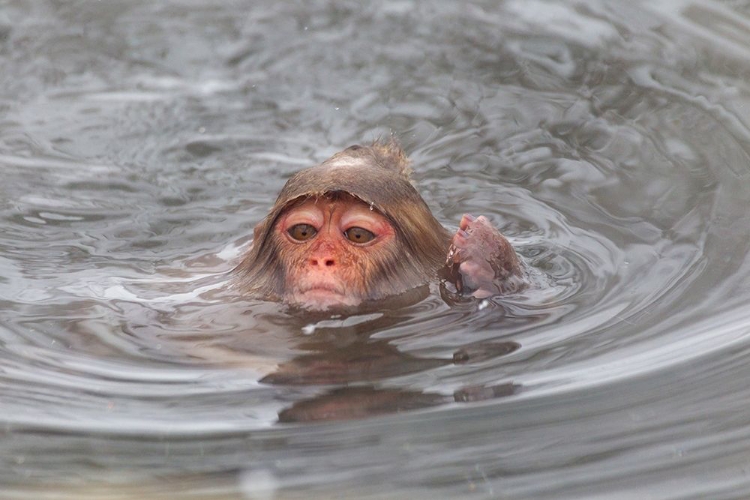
[[358, 235], [302, 232]]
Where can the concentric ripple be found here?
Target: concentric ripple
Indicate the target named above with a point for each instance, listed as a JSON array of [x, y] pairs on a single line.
[[141, 142]]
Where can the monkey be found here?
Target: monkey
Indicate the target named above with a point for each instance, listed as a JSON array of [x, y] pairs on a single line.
[[354, 230]]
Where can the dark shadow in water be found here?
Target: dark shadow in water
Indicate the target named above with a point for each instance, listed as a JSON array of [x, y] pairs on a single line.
[[347, 403], [360, 361], [365, 361]]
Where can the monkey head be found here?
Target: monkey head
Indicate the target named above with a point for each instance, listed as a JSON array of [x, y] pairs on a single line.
[[350, 230]]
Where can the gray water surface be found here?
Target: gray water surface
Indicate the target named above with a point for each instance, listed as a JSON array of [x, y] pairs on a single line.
[[140, 142]]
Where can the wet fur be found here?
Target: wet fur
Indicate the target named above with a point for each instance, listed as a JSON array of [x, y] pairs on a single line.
[[379, 175]]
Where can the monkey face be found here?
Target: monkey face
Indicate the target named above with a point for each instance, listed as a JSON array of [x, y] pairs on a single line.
[[332, 250], [349, 230]]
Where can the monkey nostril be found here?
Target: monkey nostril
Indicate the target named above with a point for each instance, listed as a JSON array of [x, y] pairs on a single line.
[[322, 262]]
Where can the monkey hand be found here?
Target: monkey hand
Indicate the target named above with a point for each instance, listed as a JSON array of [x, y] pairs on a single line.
[[481, 261]]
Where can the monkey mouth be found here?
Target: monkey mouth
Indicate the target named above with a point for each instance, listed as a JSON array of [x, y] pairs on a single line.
[[323, 287], [322, 296]]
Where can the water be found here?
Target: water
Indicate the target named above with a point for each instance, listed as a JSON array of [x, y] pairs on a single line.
[[140, 143]]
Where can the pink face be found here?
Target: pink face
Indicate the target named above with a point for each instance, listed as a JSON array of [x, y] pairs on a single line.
[[330, 243]]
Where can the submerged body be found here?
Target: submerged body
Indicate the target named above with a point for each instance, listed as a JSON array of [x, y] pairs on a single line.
[[354, 229]]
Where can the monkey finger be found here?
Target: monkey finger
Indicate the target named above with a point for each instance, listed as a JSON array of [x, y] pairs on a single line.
[[460, 239], [466, 221]]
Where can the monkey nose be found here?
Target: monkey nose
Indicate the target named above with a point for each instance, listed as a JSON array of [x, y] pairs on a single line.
[[322, 262]]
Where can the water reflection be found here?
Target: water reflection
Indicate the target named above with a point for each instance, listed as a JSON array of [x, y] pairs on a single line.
[[140, 143], [369, 360]]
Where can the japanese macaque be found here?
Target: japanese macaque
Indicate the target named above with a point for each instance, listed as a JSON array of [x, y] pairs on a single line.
[[354, 229]]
